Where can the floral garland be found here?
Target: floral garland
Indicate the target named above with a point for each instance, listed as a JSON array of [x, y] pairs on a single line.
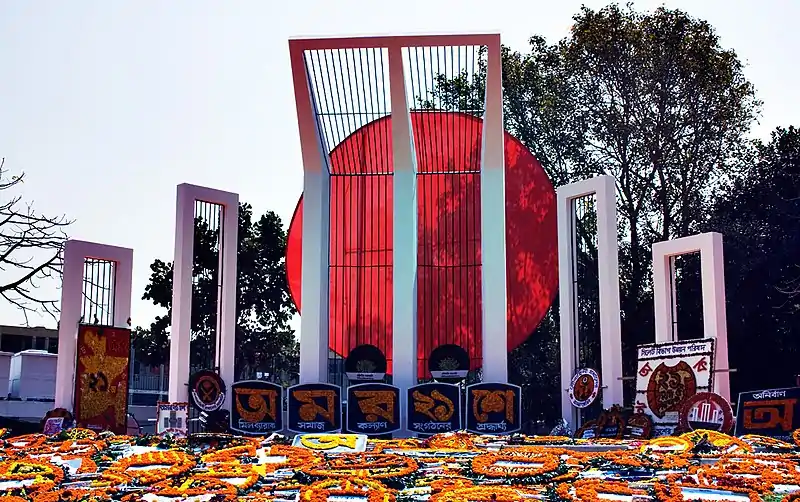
[[76, 495], [177, 461], [488, 465], [451, 441], [481, 494], [247, 472], [364, 465], [194, 486], [589, 490], [321, 491], [41, 475], [381, 446], [667, 444]]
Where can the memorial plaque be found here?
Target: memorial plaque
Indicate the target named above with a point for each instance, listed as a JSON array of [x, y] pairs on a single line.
[[494, 408], [315, 407], [774, 413], [373, 409], [256, 407], [434, 408], [172, 418]]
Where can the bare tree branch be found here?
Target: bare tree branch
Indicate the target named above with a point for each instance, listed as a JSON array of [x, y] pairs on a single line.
[[31, 250]]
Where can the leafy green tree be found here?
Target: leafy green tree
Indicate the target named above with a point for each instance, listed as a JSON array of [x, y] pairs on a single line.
[[650, 98], [759, 218], [264, 341]]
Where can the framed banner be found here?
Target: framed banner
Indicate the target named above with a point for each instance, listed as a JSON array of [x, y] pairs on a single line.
[[373, 409], [257, 407], [434, 408], [668, 374], [101, 378], [172, 418], [774, 413], [207, 390], [494, 408], [314, 407]]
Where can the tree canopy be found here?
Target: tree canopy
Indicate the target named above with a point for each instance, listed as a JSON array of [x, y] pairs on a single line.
[[264, 308], [652, 99]]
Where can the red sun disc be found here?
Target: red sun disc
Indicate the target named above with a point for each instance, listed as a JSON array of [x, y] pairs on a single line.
[[449, 293]]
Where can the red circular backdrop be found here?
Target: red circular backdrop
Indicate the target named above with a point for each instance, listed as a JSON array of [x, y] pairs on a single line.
[[448, 258]]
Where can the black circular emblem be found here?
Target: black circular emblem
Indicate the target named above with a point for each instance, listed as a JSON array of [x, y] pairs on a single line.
[[207, 390], [448, 363], [365, 363]]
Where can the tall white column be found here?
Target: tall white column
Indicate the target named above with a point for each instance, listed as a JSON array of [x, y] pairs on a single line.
[[712, 274], [604, 187], [315, 282], [493, 224], [181, 329], [75, 254], [404, 246]]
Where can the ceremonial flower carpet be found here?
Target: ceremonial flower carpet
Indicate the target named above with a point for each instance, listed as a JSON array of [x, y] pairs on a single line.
[[79, 465]]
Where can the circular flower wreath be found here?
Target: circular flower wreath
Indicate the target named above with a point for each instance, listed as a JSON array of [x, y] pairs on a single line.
[[194, 486], [321, 491], [34, 475], [514, 465], [363, 465], [482, 494], [176, 462]]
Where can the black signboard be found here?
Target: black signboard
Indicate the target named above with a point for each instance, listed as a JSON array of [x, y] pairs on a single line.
[[315, 408], [256, 407], [373, 409], [494, 408], [207, 390], [434, 408], [774, 413]]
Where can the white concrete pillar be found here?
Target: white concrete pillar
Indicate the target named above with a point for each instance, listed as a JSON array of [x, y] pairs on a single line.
[[315, 285], [494, 315], [75, 255], [712, 273], [404, 250], [604, 187], [180, 332]]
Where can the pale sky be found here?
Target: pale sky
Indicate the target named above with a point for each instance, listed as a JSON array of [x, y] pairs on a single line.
[[107, 105]]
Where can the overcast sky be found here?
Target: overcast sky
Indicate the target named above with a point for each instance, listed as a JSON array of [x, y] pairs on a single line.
[[107, 105]]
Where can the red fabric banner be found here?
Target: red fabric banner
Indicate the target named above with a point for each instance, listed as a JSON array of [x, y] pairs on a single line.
[[101, 378]]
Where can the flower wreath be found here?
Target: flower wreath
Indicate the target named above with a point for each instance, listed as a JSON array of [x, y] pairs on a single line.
[[35, 474], [451, 441], [76, 495], [193, 486], [589, 490], [667, 444], [248, 473], [531, 464], [481, 494], [177, 461], [363, 465], [320, 491]]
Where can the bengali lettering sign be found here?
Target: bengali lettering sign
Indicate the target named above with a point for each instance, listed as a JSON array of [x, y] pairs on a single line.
[[256, 407], [494, 408], [314, 408], [668, 374], [434, 408], [172, 418], [774, 412], [101, 379], [331, 443], [373, 408]]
